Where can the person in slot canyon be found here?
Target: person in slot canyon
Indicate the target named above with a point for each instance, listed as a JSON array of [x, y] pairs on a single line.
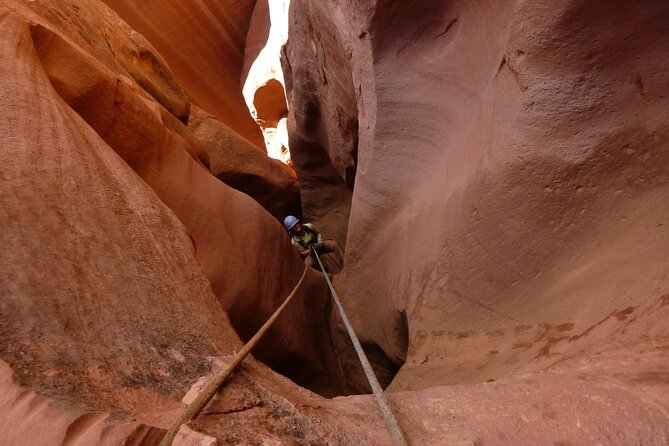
[[304, 236]]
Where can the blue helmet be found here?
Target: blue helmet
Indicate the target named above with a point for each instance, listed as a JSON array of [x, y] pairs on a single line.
[[289, 222]]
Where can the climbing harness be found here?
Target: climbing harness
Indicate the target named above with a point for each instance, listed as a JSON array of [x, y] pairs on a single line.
[[309, 237], [387, 413], [206, 394]]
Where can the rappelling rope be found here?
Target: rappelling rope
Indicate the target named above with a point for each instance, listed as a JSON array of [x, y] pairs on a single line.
[[387, 413], [206, 394]]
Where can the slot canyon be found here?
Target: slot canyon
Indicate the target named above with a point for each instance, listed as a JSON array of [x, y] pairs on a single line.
[[496, 174]]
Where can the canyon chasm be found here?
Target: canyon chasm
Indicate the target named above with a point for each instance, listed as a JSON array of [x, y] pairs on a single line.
[[496, 174]]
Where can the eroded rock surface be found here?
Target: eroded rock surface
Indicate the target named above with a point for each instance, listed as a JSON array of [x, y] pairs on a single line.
[[240, 165], [536, 230], [113, 231], [507, 233], [510, 194], [321, 120], [204, 46]]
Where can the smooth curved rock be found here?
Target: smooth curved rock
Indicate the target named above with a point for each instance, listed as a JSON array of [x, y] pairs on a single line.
[[508, 231], [204, 46], [240, 165], [251, 266], [95, 28], [525, 220], [510, 196], [97, 273]]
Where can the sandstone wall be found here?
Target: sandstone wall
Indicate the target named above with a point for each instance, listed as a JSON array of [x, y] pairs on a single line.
[[204, 46], [100, 287], [76, 95], [305, 64], [507, 234], [509, 212], [511, 187]]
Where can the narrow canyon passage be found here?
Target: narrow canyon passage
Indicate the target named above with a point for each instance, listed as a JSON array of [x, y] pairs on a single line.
[[496, 174]]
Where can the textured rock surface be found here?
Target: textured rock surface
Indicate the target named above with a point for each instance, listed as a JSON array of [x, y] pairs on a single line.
[[321, 121], [240, 165], [91, 197], [511, 192], [537, 227], [85, 256], [508, 229], [536, 409], [204, 46], [28, 418]]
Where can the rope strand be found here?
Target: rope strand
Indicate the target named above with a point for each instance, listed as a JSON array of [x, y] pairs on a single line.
[[206, 394], [386, 411]]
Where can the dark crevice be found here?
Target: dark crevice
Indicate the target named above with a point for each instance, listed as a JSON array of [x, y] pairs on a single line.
[[255, 186], [448, 28], [384, 367]]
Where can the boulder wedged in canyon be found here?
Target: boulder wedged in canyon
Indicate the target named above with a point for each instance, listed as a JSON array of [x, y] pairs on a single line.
[[240, 165]]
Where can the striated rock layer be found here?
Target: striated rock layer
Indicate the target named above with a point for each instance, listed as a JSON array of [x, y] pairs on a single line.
[[240, 165], [507, 233], [204, 46], [95, 251], [510, 213]]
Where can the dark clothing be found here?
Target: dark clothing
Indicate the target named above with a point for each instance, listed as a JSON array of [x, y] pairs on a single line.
[[311, 236]]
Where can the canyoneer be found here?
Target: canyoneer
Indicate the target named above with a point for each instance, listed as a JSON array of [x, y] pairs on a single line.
[[304, 236]]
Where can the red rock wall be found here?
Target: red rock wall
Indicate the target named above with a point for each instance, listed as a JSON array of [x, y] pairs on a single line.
[[204, 46], [239, 247], [323, 116], [512, 183], [510, 195], [510, 199], [100, 288]]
